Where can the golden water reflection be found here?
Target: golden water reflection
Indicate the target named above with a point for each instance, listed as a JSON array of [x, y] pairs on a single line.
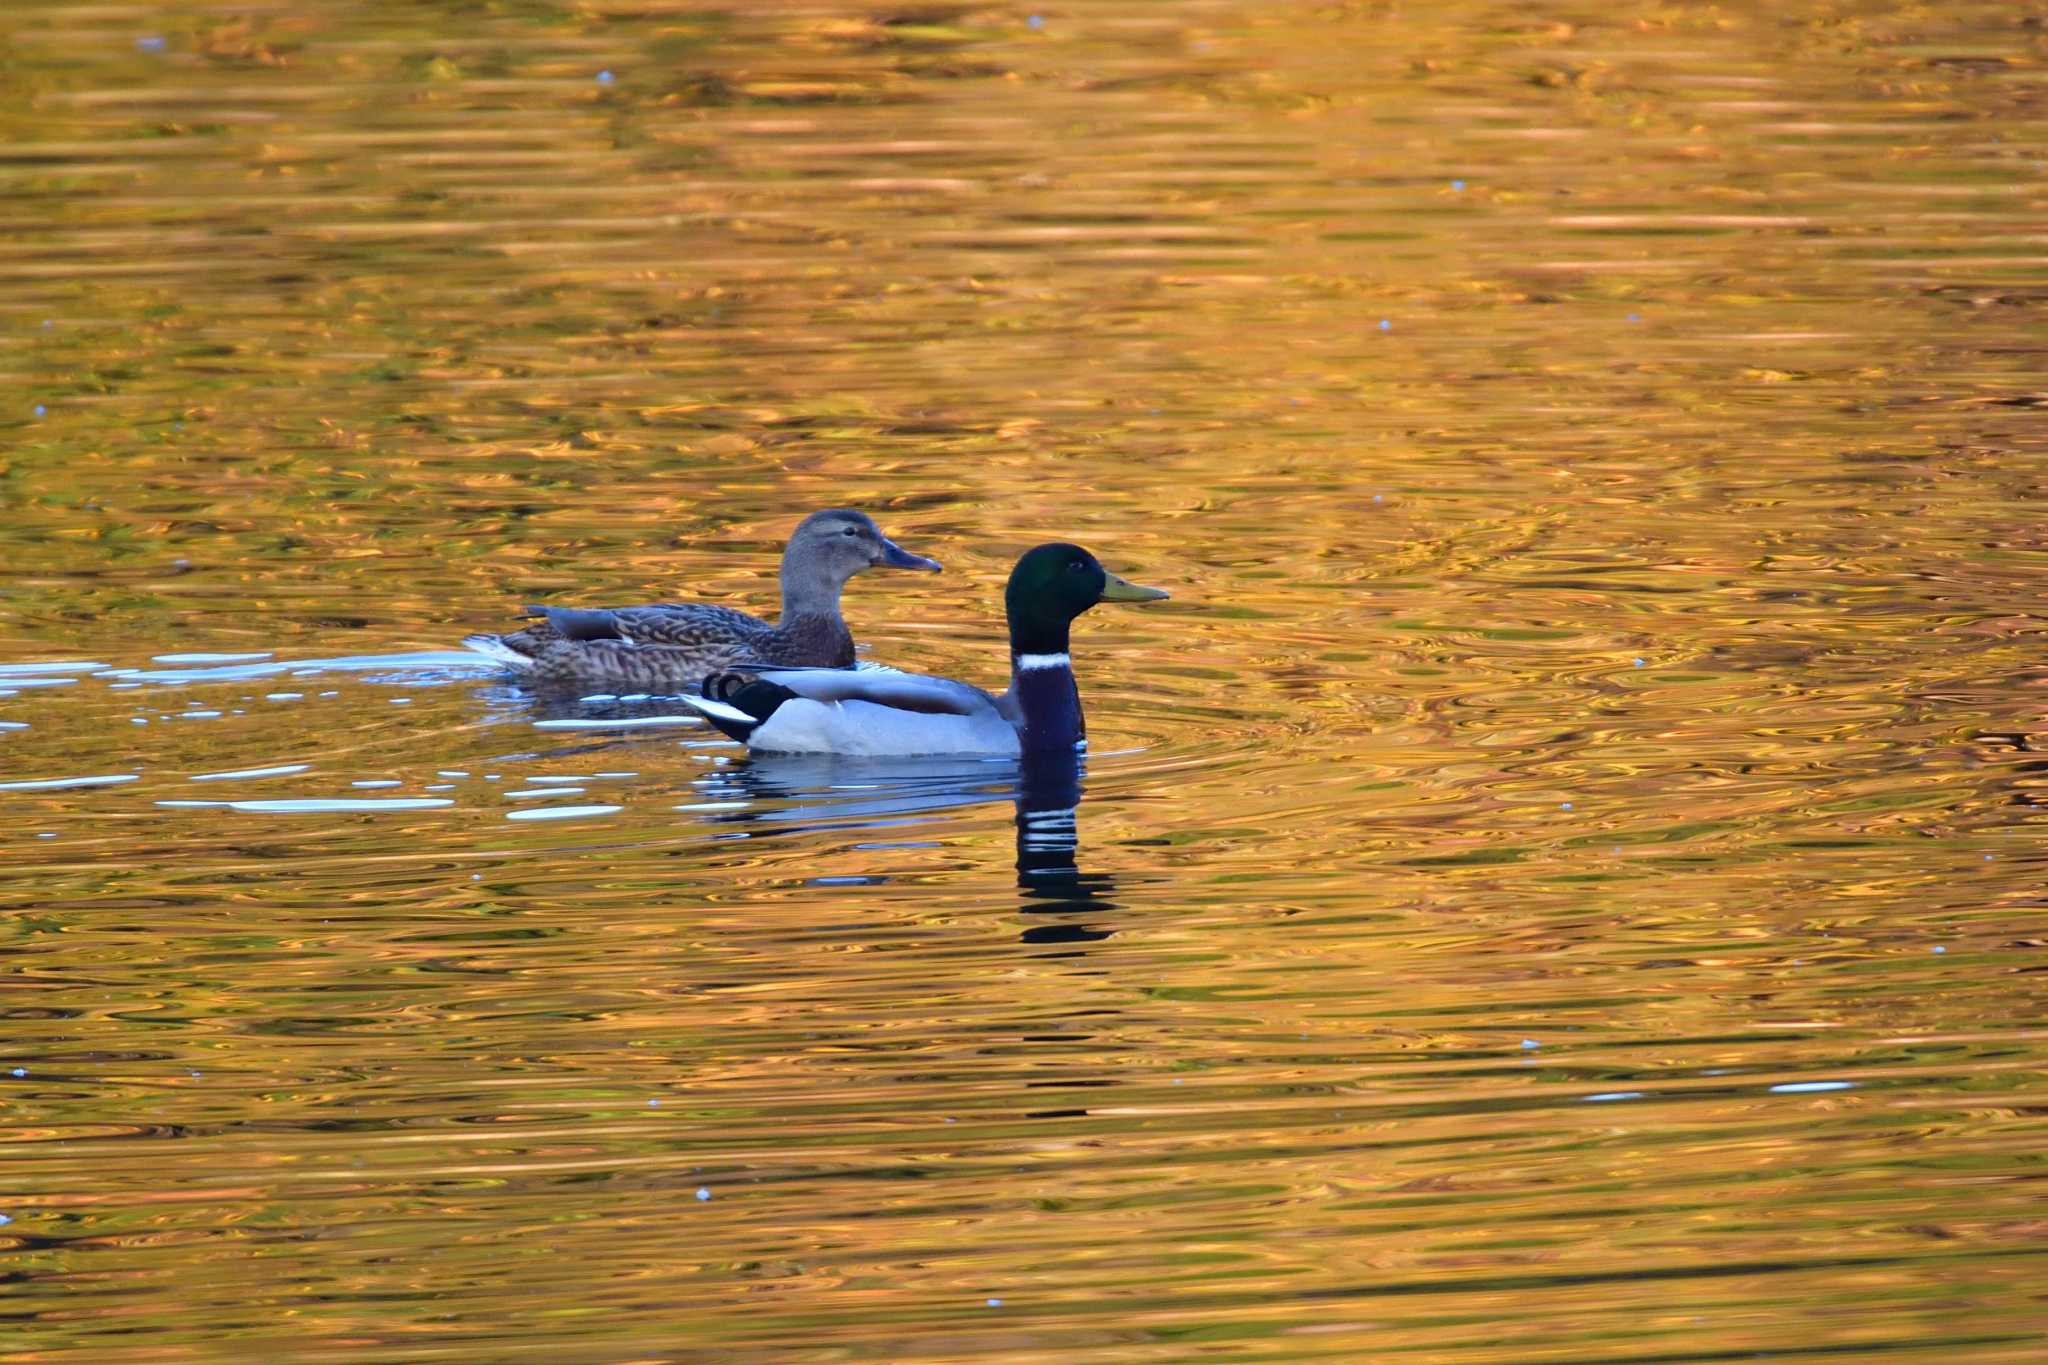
[[1559, 881]]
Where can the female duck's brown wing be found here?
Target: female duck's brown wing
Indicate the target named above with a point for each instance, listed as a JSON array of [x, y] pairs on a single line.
[[718, 629], [656, 647], [807, 641], [645, 648], [687, 627], [616, 665]]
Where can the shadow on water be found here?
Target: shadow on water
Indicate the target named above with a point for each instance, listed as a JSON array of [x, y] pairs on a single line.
[[816, 793], [808, 793]]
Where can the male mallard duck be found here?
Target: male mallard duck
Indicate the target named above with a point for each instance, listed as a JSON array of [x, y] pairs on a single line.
[[668, 646], [879, 711]]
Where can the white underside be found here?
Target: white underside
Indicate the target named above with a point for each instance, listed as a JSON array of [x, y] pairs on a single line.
[[803, 726]]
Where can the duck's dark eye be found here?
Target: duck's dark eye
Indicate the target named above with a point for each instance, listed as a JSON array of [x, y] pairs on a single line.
[[1075, 566], [852, 531]]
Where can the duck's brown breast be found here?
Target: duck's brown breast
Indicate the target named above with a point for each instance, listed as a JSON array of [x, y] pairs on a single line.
[[810, 642]]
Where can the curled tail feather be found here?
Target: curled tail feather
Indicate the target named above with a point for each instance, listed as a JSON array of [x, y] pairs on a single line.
[[736, 705]]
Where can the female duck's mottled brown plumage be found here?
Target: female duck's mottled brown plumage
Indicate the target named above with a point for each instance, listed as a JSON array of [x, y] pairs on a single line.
[[668, 645]]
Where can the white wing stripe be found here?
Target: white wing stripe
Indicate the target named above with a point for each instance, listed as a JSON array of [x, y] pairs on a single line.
[[720, 709]]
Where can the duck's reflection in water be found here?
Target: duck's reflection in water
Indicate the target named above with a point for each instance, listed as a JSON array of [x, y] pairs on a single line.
[[801, 793], [811, 793], [1049, 790], [560, 709]]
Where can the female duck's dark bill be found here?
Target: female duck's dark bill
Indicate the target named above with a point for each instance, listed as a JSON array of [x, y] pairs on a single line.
[[896, 557], [1115, 589]]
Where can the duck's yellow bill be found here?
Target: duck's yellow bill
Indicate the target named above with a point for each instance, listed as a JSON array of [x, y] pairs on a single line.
[[1117, 590]]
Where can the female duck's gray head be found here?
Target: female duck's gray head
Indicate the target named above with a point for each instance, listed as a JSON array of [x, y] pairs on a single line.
[[832, 546]]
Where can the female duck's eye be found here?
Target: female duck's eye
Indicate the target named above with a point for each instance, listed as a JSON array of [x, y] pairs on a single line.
[[852, 531]]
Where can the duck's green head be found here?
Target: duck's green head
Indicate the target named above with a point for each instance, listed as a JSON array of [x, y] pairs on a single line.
[[1051, 585]]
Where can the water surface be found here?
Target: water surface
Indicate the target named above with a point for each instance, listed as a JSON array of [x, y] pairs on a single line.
[[1561, 880]]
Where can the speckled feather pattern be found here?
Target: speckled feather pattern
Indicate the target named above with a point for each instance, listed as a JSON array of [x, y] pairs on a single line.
[[674, 647]]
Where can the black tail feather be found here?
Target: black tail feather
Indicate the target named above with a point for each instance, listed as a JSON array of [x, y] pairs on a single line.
[[757, 698]]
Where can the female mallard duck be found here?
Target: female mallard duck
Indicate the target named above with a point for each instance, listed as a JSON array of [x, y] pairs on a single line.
[[668, 646], [878, 711]]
